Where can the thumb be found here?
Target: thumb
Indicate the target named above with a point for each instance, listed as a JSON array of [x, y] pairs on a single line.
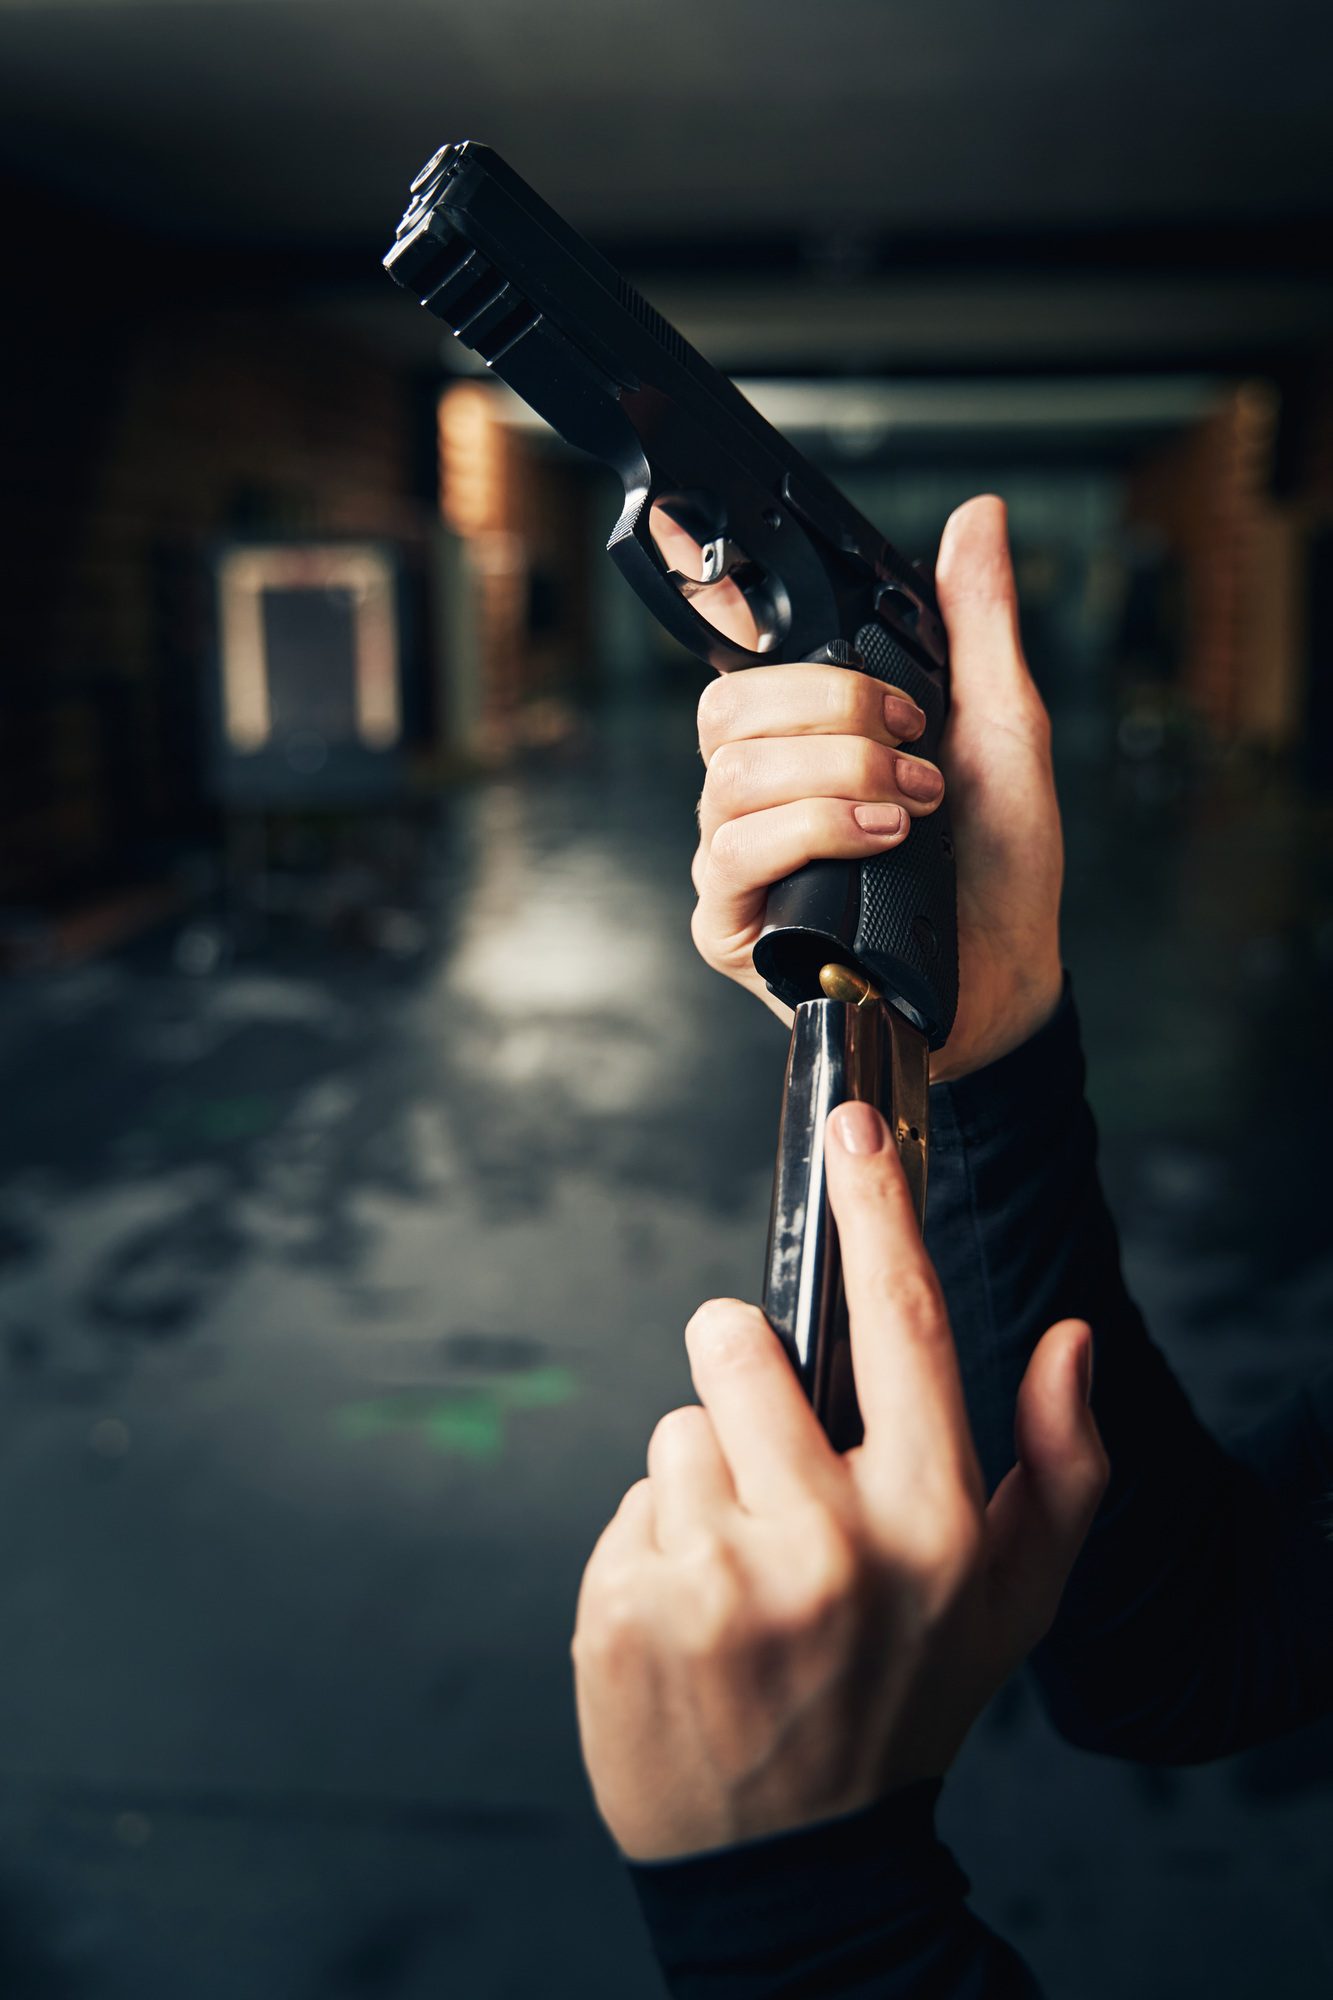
[[1041, 1511], [974, 580]]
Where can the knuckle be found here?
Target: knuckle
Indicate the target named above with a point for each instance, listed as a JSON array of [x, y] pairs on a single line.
[[610, 1627], [846, 698], [920, 1308], [637, 1495], [674, 1432], [872, 768], [716, 714], [698, 868], [714, 1614], [727, 1333], [730, 771], [730, 849], [830, 1569], [701, 931], [821, 825]]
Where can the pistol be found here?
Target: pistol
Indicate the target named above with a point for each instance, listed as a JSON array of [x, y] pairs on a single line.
[[748, 555]]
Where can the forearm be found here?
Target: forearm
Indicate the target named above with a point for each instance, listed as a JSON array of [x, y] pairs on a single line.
[[1196, 1618], [864, 1908]]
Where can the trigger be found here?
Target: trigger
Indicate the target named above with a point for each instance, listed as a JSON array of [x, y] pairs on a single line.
[[721, 558], [720, 561]]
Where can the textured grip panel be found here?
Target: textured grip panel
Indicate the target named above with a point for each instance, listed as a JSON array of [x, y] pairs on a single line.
[[907, 936]]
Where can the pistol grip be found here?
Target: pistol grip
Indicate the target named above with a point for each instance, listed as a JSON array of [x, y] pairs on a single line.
[[893, 916]]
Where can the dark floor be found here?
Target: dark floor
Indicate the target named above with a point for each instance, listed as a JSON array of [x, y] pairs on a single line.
[[340, 1286]]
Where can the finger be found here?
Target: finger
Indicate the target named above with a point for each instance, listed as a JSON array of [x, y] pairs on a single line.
[[626, 1542], [693, 1492], [699, 868], [728, 609], [748, 855], [632, 1526], [804, 701], [903, 1358], [778, 1456], [628, 1537], [751, 776], [1040, 1513], [978, 598]]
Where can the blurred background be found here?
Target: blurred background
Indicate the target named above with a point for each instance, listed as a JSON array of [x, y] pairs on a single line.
[[369, 1128]]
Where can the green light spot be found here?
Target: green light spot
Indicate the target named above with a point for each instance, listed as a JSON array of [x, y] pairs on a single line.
[[540, 1389], [472, 1426], [470, 1423]]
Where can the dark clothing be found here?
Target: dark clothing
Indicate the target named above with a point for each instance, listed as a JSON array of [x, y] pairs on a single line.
[[867, 1906], [1198, 1619]]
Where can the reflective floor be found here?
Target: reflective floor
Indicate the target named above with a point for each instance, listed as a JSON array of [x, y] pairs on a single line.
[[341, 1282]]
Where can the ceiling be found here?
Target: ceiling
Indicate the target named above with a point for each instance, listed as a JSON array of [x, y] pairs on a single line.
[[849, 185], [304, 119]]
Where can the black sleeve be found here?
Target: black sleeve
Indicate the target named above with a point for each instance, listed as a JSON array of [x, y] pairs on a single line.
[[870, 1907], [1199, 1618]]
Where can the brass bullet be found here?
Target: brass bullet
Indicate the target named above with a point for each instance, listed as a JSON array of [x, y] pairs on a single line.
[[840, 982]]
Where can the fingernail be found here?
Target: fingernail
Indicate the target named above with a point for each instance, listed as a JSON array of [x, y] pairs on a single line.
[[880, 819], [919, 780], [1085, 1368], [903, 718], [858, 1128]]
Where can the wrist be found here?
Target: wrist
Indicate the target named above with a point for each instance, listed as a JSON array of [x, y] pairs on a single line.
[[1031, 1004]]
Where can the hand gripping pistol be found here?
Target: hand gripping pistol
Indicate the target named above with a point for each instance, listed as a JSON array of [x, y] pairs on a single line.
[[747, 554]]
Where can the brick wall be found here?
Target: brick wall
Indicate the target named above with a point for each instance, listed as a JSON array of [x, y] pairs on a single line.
[[1242, 500], [128, 446], [1208, 496], [521, 516]]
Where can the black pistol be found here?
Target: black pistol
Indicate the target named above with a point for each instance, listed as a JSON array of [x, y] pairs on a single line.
[[748, 555]]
